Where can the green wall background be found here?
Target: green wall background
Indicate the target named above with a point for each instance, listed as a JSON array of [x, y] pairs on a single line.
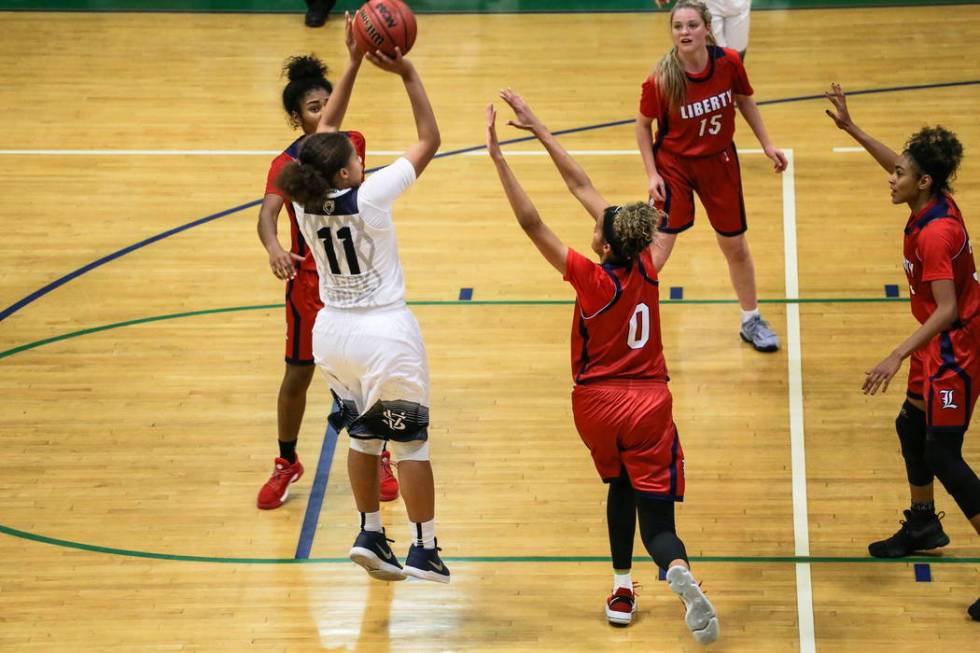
[[424, 6]]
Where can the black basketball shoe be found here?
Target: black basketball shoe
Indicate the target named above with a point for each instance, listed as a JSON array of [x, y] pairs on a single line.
[[974, 610], [916, 534]]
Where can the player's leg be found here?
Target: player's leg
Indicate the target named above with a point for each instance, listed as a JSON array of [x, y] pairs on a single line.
[[302, 306], [396, 387], [370, 549], [737, 27], [678, 205], [654, 460], [921, 528], [721, 180], [601, 411]]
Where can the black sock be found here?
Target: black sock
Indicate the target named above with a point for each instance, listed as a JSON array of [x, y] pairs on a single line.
[[923, 509], [287, 450]]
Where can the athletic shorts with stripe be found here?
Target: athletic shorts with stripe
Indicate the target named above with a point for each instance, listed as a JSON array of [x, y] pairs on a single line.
[[945, 374], [302, 305], [628, 424], [716, 179]]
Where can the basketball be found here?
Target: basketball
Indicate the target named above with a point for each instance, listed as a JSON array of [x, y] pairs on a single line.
[[384, 25]]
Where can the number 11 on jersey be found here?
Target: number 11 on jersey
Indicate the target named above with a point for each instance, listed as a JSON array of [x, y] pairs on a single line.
[[350, 253]]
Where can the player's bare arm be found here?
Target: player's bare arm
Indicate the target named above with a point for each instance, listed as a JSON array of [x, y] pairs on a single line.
[[553, 250], [750, 111], [644, 141], [572, 173], [426, 126], [281, 261], [336, 107], [944, 292], [884, 155]]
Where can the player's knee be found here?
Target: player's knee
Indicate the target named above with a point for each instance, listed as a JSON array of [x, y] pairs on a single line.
[[417, 450], [942, 453], [910, 425], [369, 446], [396, 420]]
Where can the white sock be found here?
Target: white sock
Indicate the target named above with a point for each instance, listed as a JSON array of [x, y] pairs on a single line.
[[622, 580], [748, 315], [424, 533], [371, 521]]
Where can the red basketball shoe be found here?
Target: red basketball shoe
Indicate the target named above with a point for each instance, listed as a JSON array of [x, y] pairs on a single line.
[[276, 489], [620, 606], [389, 484]]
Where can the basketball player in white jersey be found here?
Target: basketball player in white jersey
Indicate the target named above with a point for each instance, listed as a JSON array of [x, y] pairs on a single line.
[[729, 23], [365, 339]]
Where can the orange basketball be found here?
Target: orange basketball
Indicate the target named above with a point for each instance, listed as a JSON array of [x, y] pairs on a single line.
[[384, 25]]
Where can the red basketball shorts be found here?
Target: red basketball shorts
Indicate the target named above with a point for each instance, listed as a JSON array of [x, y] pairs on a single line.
[[302, 305], [945, 374], [716, 179], [628, 424]]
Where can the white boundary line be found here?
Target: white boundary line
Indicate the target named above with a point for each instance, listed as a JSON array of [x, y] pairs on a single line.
[[801, 528], [848, 149], [276, 152]]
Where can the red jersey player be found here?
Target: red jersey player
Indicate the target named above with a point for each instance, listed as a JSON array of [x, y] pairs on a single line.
[[305, 101], [692, 95], [944, 373], [621, 402]]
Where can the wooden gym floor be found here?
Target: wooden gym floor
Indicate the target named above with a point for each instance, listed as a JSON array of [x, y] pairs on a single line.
[[138, 411]]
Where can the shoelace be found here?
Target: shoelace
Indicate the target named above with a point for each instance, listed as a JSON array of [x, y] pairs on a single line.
[[939, 516]]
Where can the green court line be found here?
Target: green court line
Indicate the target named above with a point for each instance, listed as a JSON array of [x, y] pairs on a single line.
[[448, 302], [68, 544]]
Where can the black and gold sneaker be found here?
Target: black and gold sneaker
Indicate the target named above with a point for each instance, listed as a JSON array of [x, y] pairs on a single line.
[[426, 564], [372, 552]]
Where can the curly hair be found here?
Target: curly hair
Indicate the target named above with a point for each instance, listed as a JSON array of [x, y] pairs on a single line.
[[634, 226], [321, 156], [936, 152], [305, 73]]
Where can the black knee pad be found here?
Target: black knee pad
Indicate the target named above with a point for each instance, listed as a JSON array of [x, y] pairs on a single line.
[[911, 428], [944, 455], [402, 421]]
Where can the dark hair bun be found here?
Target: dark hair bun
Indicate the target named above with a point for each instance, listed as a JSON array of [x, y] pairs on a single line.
[[306, 66]]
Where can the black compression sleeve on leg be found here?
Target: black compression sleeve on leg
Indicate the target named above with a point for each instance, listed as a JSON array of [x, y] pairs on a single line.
[[658, 532], [944, 454], [911, 427], [621, 520]]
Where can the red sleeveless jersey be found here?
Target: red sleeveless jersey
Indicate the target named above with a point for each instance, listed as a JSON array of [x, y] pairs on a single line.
[[937, 246], [705, 123], [290, 154], [616, 329]]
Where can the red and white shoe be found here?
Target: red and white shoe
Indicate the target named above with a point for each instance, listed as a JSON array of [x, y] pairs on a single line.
[[388, 483], [620, 606], [276, 489]]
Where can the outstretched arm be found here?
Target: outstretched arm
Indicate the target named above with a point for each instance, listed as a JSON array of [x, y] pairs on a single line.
[[336, 108], [750, 111], [576, 179], [425, 149], [885, 157], [554, 251]]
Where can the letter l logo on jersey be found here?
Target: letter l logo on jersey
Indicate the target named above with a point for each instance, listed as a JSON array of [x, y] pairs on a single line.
[[947, 397]]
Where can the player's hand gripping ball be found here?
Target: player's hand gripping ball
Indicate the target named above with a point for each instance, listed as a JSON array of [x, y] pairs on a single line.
[[384, 25]]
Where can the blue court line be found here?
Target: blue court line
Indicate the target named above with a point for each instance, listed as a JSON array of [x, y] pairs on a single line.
[[318, 491], [465, 294], [891, 290], [37, 294], [676, 292]]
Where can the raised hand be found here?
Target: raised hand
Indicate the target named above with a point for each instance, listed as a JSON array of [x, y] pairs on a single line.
[[356, 54], [525, 118], [842, 118], [493, 145], [397, 64]]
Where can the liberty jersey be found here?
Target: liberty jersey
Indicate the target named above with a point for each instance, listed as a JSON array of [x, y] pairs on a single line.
[[937, 247], [705, 123], [353, 241], [290, 154], [616, 330]]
